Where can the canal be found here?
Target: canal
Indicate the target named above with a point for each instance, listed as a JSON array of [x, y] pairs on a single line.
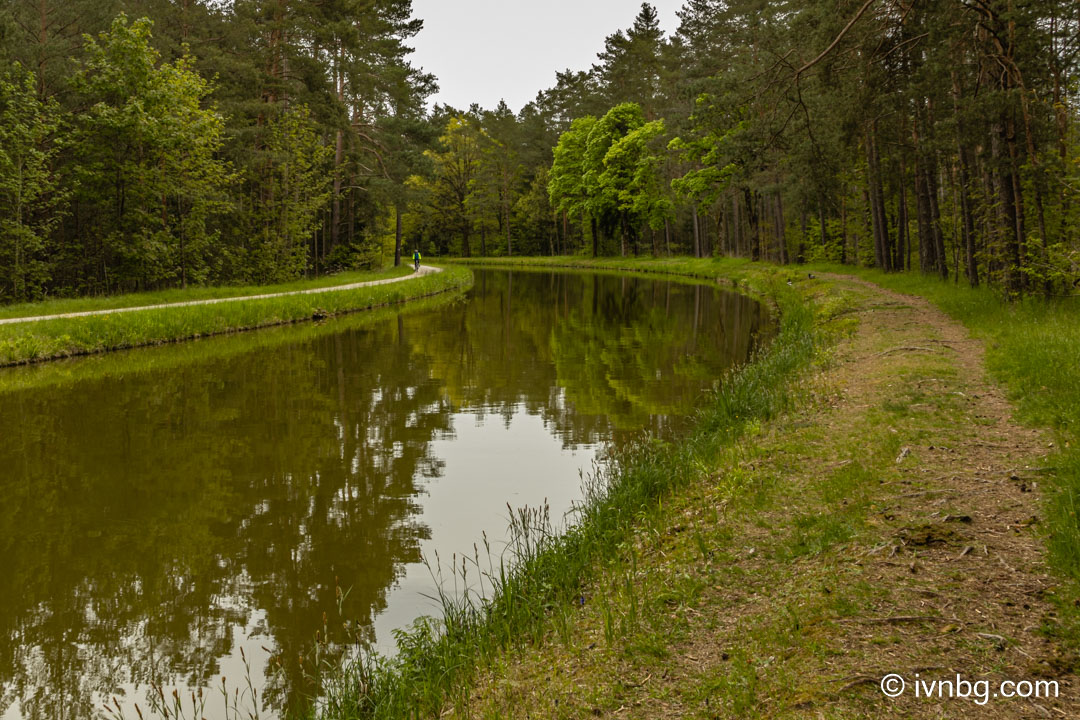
[[173, 516]]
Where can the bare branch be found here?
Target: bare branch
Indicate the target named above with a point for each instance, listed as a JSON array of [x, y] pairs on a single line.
[[836, 41]]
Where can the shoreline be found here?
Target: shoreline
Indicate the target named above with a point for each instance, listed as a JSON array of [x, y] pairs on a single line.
[[827, 521], [440, 659], [26, 342]]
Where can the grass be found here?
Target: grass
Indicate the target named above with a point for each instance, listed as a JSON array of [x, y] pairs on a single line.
[[112, 302], [65, 337], [1033, 349], [534, 589], [601, 575], [167, 358]]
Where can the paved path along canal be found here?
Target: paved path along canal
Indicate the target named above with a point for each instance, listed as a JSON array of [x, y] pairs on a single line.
[[424, 270]]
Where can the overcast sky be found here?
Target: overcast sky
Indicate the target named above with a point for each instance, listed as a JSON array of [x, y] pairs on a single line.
[[486, 50]]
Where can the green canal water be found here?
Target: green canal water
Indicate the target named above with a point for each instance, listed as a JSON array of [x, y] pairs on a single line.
[[173, 516]]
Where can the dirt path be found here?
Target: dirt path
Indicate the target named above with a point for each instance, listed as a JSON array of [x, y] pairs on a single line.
[[889, 527], [424, 270]]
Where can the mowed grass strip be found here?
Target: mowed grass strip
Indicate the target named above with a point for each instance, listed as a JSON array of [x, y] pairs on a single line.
[[62, 306], [65, 337]]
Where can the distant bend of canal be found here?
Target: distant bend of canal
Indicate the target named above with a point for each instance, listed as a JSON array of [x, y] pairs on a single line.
[[163, 510]]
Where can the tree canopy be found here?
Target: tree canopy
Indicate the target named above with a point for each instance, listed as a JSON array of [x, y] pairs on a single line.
[[151, 144]]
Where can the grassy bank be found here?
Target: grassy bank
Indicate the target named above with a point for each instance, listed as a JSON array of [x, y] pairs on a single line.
[[176, 357], [65, 337], [534, 591], [801, 542], [62, 306], [1033, 348]]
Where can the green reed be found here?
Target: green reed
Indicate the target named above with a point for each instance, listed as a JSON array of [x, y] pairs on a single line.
[[520, 597]]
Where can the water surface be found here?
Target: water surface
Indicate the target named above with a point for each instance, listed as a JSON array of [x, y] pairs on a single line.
[[162, 510]]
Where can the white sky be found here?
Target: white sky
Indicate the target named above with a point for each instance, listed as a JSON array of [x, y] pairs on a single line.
[[486, 50]]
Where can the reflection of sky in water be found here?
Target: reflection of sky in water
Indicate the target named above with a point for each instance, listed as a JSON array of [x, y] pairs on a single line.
[[523, 465], [489, 462], [184, 503]]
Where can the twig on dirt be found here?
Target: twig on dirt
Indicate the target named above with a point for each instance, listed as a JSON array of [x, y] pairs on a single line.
[[876, 550], [927, 492], [1040, 708], [966, 551], [999, 641], [898, 619], [905, 348]]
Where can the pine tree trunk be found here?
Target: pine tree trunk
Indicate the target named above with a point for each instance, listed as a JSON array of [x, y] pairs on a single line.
[[725, 240], [878, 197], [755, 229], [821, 224], [804, 225], [923, 212], [967, 221], [697, 234], [941, 259], [1007, 204], [843, 230], [737, 225], [509, 242], [780, 229], [873, 182], [903, 222], [397, 234], [1038, 182]]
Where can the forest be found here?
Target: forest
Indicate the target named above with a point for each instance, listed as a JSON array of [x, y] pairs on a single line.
[[148, 144]]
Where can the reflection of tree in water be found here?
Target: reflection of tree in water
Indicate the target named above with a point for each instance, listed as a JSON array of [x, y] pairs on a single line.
[[640, 352], [494, 355], [144, 516], [147, 515], [588, 353]]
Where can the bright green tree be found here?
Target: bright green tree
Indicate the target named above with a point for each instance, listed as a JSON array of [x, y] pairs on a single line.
[[148, 161], [31, 203], [566, 183], [632, 176]]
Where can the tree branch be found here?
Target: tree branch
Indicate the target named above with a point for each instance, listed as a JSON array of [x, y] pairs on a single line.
[[836, 41]]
